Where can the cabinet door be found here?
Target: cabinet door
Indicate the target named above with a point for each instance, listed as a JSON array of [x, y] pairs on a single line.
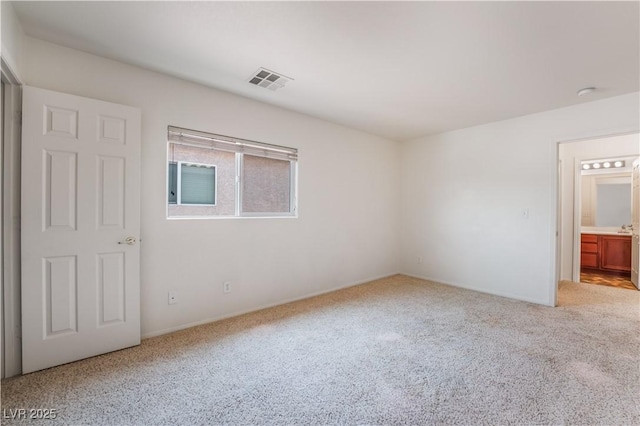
[[615, 254], [589, 252], [589, 260]]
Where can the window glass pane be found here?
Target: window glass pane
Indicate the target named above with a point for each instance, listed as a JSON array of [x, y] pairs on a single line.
[[225, 163], [266, 185], [173, 183], [198, 184]]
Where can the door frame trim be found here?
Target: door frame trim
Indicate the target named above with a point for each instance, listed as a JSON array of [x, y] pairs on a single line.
[[11, 311], [577, 207]]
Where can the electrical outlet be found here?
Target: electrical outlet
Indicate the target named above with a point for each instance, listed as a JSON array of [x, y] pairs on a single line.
[[419, 259], [173, 298], [226, 287]]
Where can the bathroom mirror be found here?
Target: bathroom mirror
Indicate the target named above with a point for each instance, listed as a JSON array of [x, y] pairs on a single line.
[[613, 207], [606, 199]]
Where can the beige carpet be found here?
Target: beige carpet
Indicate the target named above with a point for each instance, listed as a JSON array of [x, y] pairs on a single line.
[[394, 351]]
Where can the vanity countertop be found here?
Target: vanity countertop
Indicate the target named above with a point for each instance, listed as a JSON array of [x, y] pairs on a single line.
[[603, 231]]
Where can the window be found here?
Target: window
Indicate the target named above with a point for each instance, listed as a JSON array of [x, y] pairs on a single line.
[[217, 176], [192, 183], [266, 185]]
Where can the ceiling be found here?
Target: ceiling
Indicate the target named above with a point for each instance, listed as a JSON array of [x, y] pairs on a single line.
[[400, 70]]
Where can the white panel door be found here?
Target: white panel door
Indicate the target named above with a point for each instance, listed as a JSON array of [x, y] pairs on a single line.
[[80, 228], [635, 221]]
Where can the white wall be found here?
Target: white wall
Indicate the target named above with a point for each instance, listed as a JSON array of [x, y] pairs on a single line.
[[464, 193], [347, 230], [12, 38], [570, 153]]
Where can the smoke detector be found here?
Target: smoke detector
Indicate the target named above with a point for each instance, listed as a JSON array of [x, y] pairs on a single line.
[[586, 91], [269, 79]]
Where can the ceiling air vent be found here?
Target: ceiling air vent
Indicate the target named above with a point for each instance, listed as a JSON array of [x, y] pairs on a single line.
[[268, 79]]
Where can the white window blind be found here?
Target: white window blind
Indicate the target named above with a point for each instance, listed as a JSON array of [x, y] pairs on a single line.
[[197, 184], [193, 184], [225, 143]]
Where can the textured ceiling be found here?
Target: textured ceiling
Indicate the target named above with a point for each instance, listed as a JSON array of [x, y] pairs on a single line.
[[396, 69]]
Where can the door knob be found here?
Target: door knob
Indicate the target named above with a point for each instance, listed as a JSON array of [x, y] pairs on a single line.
[[129, 241]]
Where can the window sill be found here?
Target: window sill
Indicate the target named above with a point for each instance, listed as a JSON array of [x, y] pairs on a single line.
[[293, 216]]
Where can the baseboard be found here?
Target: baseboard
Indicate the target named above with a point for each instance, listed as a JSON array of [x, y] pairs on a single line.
[[481, 290], [261, 307]]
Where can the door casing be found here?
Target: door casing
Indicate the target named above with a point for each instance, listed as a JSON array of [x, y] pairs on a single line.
[[11, 315]]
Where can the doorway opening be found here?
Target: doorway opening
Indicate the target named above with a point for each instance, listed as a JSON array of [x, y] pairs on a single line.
[[598, 242]]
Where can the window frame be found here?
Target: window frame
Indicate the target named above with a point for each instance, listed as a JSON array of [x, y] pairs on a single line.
[[239, 165], [179, 202], [293, 187]]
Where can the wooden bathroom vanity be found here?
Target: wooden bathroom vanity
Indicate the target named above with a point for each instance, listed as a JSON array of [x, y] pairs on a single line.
[[606, 252]]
